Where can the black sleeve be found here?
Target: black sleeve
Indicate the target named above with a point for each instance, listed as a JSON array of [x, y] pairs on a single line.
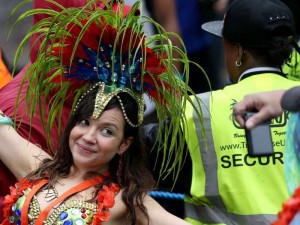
[[291, 99]]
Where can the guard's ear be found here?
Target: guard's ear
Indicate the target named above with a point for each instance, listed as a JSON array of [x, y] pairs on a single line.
[[240, 52], [125, 145]]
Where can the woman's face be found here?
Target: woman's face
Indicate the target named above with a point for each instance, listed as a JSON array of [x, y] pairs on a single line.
[[93, 143]]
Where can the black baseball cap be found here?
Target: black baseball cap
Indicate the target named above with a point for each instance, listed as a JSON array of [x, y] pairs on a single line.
[[252, 22]]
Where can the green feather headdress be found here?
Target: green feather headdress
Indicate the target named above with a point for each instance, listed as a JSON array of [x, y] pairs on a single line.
[[82, 46]]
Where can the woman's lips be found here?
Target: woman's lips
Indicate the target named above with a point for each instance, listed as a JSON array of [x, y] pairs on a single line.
[[84, 149]]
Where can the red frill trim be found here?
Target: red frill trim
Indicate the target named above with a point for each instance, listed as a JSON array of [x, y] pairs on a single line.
[[106, 200], [15, 193], [289, 209]]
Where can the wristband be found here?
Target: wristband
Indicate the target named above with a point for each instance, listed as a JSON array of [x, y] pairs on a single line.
[[6, 120]]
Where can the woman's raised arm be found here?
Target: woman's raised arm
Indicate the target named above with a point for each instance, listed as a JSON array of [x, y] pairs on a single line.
[[18, 154]]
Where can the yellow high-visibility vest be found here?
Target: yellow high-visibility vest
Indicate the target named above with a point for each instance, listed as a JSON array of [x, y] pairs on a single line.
[[228, 186], [292, 68]]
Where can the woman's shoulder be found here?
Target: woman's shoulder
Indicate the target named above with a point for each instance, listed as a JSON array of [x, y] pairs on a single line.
[[118, 211]]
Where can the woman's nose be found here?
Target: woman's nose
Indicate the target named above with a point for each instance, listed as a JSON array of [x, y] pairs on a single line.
[[90, 135]]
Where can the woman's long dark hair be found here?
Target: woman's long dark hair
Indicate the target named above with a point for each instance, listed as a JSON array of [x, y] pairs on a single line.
[[136, 178]]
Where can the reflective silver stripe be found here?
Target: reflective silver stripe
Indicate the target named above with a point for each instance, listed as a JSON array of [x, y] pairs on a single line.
[[209, 158], [218, 214], [207, 215]]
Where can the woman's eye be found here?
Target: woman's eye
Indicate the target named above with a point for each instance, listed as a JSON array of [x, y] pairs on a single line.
[[84, 122], [107, 132]]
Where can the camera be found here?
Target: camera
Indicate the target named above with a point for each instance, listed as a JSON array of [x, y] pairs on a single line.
[[259, 138]]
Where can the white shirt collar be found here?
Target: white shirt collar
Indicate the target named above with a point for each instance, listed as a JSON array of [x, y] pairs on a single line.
[[258, 69]]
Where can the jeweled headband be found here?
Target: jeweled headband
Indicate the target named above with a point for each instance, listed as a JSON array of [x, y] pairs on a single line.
[[84, 46], [106, 93]]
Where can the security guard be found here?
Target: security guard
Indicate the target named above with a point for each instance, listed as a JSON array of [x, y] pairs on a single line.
[[230, 186], [292, 67]]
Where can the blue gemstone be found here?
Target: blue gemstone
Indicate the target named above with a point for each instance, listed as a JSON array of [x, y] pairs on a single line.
[[12, 219], [18, 222], [14, 207], [115, 77], [75, 212], [123, 80], [63, 215], [132, 69], [68, 222], [100, 63], [79, 221], [105, 73], [18, 212]]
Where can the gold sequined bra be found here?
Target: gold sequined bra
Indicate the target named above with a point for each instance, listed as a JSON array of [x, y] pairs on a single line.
[[68, 213], [71, 212]]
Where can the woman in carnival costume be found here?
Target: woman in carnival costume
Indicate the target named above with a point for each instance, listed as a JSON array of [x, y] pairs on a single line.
[[102, 64], [32, 128]]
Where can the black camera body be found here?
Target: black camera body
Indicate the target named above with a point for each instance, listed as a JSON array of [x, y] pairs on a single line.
[[259, 138]]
